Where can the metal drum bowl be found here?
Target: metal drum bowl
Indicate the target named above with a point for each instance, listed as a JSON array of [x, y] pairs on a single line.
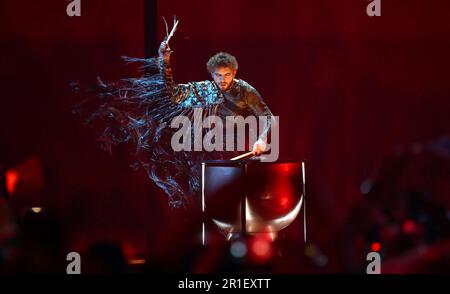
[[251, 197]]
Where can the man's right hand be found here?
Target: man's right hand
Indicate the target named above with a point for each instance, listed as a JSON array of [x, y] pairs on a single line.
[[164, 50]]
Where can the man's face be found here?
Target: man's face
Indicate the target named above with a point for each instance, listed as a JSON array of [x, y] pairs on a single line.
[[223, 76]]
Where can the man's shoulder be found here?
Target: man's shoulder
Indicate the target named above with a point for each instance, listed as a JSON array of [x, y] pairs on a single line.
[[243, 83], [201, 83], [247, 87]]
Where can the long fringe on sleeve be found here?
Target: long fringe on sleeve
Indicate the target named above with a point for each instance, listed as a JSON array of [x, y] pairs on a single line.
[[138, 112]]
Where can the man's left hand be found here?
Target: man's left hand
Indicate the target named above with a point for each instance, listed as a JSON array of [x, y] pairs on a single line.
[[259, 147]]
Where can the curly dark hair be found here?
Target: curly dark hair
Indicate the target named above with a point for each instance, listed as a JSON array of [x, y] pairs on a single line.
[[221, 59]]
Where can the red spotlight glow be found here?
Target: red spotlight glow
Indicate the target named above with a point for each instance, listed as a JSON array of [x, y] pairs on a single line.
[[12, 178], [375, 246], [25, 177], [284, 200], [409, 226], [261, 249]]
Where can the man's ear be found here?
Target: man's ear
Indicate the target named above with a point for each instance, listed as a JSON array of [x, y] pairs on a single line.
[[234, 72]]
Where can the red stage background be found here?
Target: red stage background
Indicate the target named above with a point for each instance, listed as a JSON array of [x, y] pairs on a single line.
[[349, 89]]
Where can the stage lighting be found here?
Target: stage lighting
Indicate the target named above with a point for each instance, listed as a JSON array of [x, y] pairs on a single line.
[[261, 249], [36, 209], [12, 178], [375, 246], [238, 249], [409, 226], [315, 254], [26, 177]]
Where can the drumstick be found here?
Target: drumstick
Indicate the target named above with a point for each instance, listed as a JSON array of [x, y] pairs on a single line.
[[174, 28], [242, 155]]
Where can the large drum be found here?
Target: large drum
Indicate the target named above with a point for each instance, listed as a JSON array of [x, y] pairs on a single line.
[[251, 197]]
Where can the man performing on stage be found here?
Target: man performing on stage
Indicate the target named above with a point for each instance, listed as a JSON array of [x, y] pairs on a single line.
[[234, 97], [141, 111]]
